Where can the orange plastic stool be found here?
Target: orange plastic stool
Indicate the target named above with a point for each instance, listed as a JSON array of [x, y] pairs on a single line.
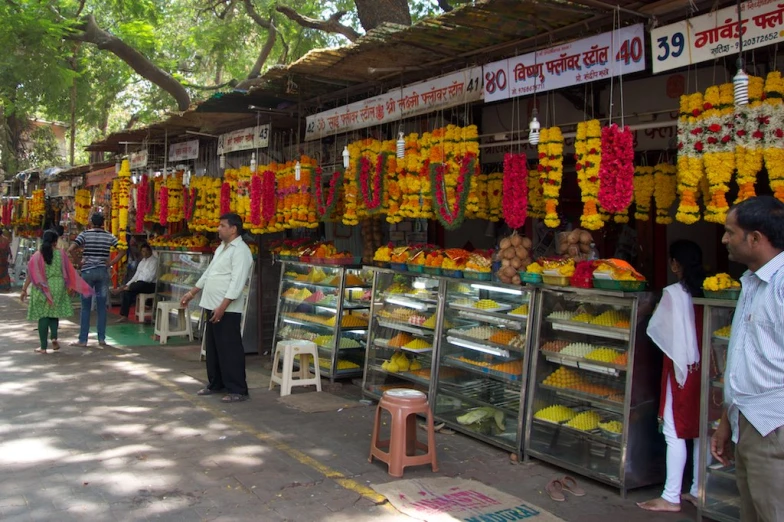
[[403, 405]]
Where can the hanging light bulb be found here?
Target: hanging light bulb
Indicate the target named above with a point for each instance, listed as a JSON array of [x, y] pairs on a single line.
[[345, 157], [222, 161], [252, 162], [740, 83], [401, 145], [533, 127], [297, 171]]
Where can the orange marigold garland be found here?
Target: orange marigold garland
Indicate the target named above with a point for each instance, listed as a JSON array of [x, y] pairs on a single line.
[[588, 154], [664, 182], [551, 172]]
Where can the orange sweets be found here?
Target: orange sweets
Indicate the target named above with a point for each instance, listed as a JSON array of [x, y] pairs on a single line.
[[400, 339], [502, 337], [475, 363], [554, 346], [512, 367], [622, 360]]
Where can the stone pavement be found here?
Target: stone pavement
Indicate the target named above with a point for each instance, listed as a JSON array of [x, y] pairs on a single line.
[[118, 434]]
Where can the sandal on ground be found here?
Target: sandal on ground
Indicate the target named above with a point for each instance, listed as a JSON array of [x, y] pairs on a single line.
[[208, 391], [554, 489], [80, 345], [41, 351], [570, 484], [234, 397], [688, 497], [659, 505], [102, 343], [55, 345]]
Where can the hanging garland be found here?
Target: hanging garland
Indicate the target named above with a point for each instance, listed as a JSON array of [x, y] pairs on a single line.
[[452, 213], [141, 202], [551, 172], [588, 154], [255, 200], [164, 205], [773, 125], [225, 198], [718, 154], [616, 169], [268, 196], [748, 140], [373, 202], [664, 182], [189, 201], [515, 190], [644, 187], [690, 148], [325, 209]]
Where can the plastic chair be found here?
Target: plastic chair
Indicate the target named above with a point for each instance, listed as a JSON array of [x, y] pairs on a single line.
[[141, 307], [286, 352], [403, 405], [184, 326]]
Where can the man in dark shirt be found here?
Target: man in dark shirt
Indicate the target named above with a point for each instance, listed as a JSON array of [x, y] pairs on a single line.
[[96, 244]]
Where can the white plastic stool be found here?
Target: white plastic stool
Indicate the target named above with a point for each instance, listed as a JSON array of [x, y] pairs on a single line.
[[141, 307], [290, 349], [162, 321]]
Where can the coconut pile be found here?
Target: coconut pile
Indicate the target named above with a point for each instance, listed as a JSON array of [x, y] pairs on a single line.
[[575, 244], [514, 252]]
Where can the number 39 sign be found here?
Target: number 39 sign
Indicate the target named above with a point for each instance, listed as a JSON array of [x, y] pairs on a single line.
[[599, 57]]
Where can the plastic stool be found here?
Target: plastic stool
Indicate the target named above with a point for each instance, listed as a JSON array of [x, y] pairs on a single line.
[[184, 326], [403, 404], [141, 307], [287, 351]]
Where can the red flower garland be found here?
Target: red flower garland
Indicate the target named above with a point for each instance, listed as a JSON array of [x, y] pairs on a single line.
[[225, 198], [372, 203], [268, 195], [515, 195], [141, 203], [189, 200], [163, 197], [325, 209], [255, 200], [453, 217], [616, 169]]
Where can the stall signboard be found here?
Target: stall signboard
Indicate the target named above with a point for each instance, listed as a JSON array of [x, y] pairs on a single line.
[[574, 63], [138, 160], [186, 150], [53, 189], [717, 34], [244, 139], [457, 88], [100, 177], [65, 189]]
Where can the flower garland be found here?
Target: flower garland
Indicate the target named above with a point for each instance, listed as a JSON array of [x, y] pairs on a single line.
[[268, 197], [83, 203], [413, 179], [588, 154], [174, 212], [748, 140], [241, 197], [225, 198], [325, 209], [164, 205], [644, 186], [373, 198], [141, 202], [37, 206], [718, 155], [189, 201], [690, 148], [206, 212], [450, 211], [515, 190], [551, 172], [255, 200], [495, 189], [773, 125], [616, 169], [123, 203], [664, 182]]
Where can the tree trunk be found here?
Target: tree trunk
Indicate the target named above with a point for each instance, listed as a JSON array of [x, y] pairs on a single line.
[[138, 62], [373, 13]]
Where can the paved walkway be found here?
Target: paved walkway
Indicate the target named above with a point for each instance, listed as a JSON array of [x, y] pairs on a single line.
[[118, 434]]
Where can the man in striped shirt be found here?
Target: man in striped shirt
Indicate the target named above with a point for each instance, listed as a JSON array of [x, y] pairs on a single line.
[[754, 375], [96, 244]]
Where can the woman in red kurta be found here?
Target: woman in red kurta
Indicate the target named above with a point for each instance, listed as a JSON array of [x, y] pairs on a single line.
[[676, 328]]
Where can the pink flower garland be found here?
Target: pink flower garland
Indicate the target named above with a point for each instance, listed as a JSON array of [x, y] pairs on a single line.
[[372, 203], [616, 169], [163, 197], [515, 195], [225, 198], [255, 200], [325, 208], [268, 195], [189, 199], [141, 203]]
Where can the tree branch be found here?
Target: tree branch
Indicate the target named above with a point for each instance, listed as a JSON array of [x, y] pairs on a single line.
[[230, 83], [105, 41], [255, 16], [264, 53], [79, 11], [330, 25]]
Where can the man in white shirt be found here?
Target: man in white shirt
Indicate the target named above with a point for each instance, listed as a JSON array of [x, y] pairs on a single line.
[[142, 282], [221, 286], [754, 375]]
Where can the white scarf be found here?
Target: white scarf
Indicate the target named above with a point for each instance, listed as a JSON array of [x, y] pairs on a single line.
[[672, 329]]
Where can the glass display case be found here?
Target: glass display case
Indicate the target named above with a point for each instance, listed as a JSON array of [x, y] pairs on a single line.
[[719, 498], [483, 361], [25, 248], [178, 272], [405, 315], [328, 305], [594, 387]]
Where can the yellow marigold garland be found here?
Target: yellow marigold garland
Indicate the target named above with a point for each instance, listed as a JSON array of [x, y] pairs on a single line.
[[588, 155], [689, 167], [719, 156], [748, 140], [643, 192], [495, 194], [551, 172], [83, 204], [773, 127], [664, 180], [176, 210]]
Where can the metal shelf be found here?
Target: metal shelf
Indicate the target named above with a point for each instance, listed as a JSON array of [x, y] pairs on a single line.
[[607, 332]]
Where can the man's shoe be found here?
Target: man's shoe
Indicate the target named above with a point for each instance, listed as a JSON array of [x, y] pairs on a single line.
[[208, 391], [121, 319]]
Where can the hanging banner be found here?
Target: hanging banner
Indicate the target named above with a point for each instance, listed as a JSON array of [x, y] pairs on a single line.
[[243, 139], [138, 160], [99, 177], [596, 58], [457, 88], [716, 34], [186, 150]]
